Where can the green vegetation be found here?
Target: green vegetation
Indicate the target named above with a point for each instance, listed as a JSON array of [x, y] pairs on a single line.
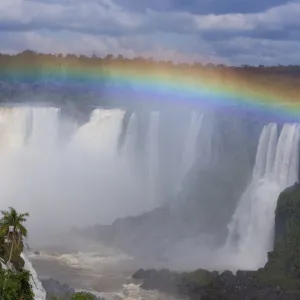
[[282, 269], [280, 275], [12, 232], [14, 281], [280, 80], [78, 296], [15, 285]]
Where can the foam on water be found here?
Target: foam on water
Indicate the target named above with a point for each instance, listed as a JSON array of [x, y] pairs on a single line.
[[133, 291], [94, 260]]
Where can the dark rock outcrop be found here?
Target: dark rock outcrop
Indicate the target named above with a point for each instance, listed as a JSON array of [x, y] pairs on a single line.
[[202, 284], [54, 288], [279, 279], [61, 291], [284, 260]]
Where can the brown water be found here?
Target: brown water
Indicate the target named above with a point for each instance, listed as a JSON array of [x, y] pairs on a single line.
[[102, 270]]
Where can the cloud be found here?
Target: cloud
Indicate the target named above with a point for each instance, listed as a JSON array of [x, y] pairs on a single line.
[[202, 6], [263, 51], [105, 17], [159, 28]]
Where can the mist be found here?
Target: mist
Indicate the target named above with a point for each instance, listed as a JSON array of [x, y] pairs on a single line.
[[82, 178], [200, 186]]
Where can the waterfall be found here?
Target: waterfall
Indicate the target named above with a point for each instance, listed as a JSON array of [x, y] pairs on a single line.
[[44, 127], [86, 180], [152, 150], [87, 169], [39, 292], [152, 163], [130, 142], [100, 135], [13, 128], [252, 225], [190, 146]]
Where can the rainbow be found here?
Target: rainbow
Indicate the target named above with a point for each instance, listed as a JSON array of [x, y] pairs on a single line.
[[144, 82]]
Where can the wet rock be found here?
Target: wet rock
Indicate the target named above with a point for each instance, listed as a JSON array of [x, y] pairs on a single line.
[[55, 289], [62, 291]]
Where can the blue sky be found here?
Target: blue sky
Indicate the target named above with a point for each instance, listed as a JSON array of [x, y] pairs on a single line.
[[222, 31]]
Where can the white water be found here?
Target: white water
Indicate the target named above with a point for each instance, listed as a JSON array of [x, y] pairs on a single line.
[[133, 291], [89, 271], [152, 150], [39, 292], [252, 225], [130, 142], [190, 146], [85, 171], [80, 182]]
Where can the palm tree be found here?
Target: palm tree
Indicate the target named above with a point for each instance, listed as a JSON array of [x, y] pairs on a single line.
[[11, 226], [11, 219]]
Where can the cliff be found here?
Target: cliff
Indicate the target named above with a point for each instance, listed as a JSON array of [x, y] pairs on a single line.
[[278, 279], [16, 259], [227, 145], [284, 260]]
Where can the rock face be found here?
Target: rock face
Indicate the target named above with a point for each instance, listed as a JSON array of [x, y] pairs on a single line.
[[279, 279], [285, 258], [203, 284], [227, 145], [16, 259], [61, 291], [56, 289]]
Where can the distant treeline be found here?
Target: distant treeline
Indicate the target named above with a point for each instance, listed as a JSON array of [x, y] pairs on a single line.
[[284, 81], [33, 58]]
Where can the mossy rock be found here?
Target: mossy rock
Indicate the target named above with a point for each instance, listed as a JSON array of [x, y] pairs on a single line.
[[199, 277], [285, 258]]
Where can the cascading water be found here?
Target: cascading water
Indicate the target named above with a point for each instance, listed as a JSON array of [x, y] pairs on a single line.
[[129, 146], [152, 150], [39, 291], [13, 128], [85, 180], [190, 146], [44, 127], [252, 225]]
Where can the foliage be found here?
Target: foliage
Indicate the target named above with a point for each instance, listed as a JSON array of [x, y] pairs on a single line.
[[78, 296], [15, 285], [281, 80], [12, 218], [200, 277], [82, 296], [11, 243]]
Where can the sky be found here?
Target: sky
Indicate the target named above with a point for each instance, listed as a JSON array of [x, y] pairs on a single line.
[[218, 31]]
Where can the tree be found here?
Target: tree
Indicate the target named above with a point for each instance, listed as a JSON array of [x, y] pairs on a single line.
[[15, 285], [12, 218], [14, 280], [11, 226]]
